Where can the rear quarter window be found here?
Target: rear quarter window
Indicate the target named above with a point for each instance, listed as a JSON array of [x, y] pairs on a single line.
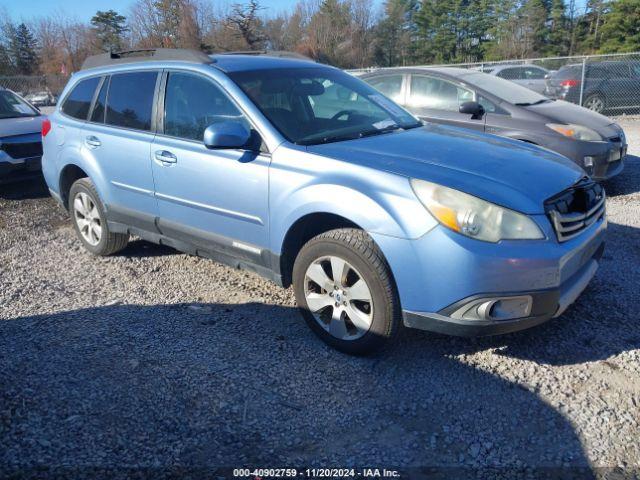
[[130, 100], [78, 102], [566, 73]]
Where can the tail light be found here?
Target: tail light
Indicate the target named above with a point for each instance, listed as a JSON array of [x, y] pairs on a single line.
[[569, 83], [46, 127]]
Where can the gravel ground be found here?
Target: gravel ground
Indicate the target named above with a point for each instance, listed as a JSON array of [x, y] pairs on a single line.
[[156, 360]]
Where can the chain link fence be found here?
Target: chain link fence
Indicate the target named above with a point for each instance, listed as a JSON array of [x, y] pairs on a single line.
[[608, 84], [40, 90]]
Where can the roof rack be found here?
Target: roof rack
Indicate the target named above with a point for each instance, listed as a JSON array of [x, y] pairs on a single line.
[[146, 55], [269, 53]]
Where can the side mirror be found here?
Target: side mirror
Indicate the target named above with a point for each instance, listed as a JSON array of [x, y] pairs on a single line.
[[229, 134], [547, 76], [472, 108]]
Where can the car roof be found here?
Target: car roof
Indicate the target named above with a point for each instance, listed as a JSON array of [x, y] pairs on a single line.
[[244, 62], [453, 71], [498, 68], [450, 71], [225, 61]]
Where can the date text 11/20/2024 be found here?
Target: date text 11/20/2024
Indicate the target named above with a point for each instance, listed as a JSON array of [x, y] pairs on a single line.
[[260, 473]]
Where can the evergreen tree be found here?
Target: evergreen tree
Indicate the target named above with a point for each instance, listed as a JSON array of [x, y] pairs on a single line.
[[109, 28], [621, 28], [5, 61], [22, 50], [394, 33], [559, 31]]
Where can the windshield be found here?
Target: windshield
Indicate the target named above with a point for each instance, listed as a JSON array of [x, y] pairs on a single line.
[[504, 89], [12, 106], [320, 105]]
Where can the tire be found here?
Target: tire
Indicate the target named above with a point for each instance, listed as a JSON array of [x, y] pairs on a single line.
[[89, 219], [329, 313], [595, 102]]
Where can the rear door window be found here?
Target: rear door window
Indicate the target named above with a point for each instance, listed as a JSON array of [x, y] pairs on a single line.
[[514, 73], [78, 102], [532, 73], [130, 100], [389, 85], [430, 92]]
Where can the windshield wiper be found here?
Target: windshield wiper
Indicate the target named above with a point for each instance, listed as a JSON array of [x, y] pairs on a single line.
[[349, 136], [529, 104], [380, 131]]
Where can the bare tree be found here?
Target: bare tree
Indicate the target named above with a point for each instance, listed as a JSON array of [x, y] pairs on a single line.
[[246, 23]]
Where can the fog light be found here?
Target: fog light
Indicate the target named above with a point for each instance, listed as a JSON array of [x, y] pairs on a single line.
[[588, 162], [495, 309]]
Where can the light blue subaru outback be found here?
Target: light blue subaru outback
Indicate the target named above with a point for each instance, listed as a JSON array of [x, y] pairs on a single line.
[[311, 178]]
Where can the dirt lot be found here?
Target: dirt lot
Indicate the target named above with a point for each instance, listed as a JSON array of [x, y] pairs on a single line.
[[153, 359]]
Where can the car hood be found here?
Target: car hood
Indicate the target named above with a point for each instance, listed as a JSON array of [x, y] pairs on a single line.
[[560, 111], [10, 127], [506, 172]]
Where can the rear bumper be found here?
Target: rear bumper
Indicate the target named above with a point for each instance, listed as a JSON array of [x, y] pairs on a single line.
[[19, 167], [546, 304]]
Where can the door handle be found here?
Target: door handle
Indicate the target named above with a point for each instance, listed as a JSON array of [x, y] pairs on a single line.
[[92, 142], [166, 157]]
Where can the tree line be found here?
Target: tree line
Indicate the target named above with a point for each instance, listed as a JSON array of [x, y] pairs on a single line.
[[345, 33]]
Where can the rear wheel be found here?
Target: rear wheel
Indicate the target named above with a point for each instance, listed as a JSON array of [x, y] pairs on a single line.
[[595, 102], [345, 291], [87, 214]]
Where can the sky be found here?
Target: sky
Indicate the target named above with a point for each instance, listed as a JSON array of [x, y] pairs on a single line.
[[85, 9]]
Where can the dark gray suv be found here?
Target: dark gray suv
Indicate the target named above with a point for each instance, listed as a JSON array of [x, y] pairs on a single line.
[[487, 103]]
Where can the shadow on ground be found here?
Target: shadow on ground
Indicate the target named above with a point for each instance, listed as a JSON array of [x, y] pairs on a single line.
[[29, 187], [628, 181], [208, 385]]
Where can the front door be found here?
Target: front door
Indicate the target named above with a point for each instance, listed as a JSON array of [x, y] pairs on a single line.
[[438, 100], [215, 199]]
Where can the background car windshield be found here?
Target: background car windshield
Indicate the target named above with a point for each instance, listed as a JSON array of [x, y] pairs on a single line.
[[318, 105], [12, 106], [504, 89]]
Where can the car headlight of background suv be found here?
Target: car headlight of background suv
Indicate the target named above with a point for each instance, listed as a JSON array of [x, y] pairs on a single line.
[[473, 217], [577, 132]]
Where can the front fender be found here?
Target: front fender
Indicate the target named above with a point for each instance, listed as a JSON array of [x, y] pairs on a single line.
[[378, 202]]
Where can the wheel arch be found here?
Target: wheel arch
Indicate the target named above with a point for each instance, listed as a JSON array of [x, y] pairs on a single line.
[[68, 175], [303, 230]]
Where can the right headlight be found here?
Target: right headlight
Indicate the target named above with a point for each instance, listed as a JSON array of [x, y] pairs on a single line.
[[577, 132], [473, 217]]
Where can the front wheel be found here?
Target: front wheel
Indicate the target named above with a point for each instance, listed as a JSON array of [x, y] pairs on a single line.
[[345, 291]]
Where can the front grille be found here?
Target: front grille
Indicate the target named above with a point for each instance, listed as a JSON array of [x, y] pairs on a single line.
[[576, 208], [22, 149]]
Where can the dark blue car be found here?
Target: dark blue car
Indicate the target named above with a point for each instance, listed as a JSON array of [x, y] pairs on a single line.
[[20, 138]]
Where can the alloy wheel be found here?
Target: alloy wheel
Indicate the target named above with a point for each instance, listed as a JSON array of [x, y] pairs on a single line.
[[595, 103], [87, 218], [338, 297]]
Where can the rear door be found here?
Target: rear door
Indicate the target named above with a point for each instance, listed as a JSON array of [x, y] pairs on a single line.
[[118, 137], [215, 199], [620, 85], [438, 100]]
